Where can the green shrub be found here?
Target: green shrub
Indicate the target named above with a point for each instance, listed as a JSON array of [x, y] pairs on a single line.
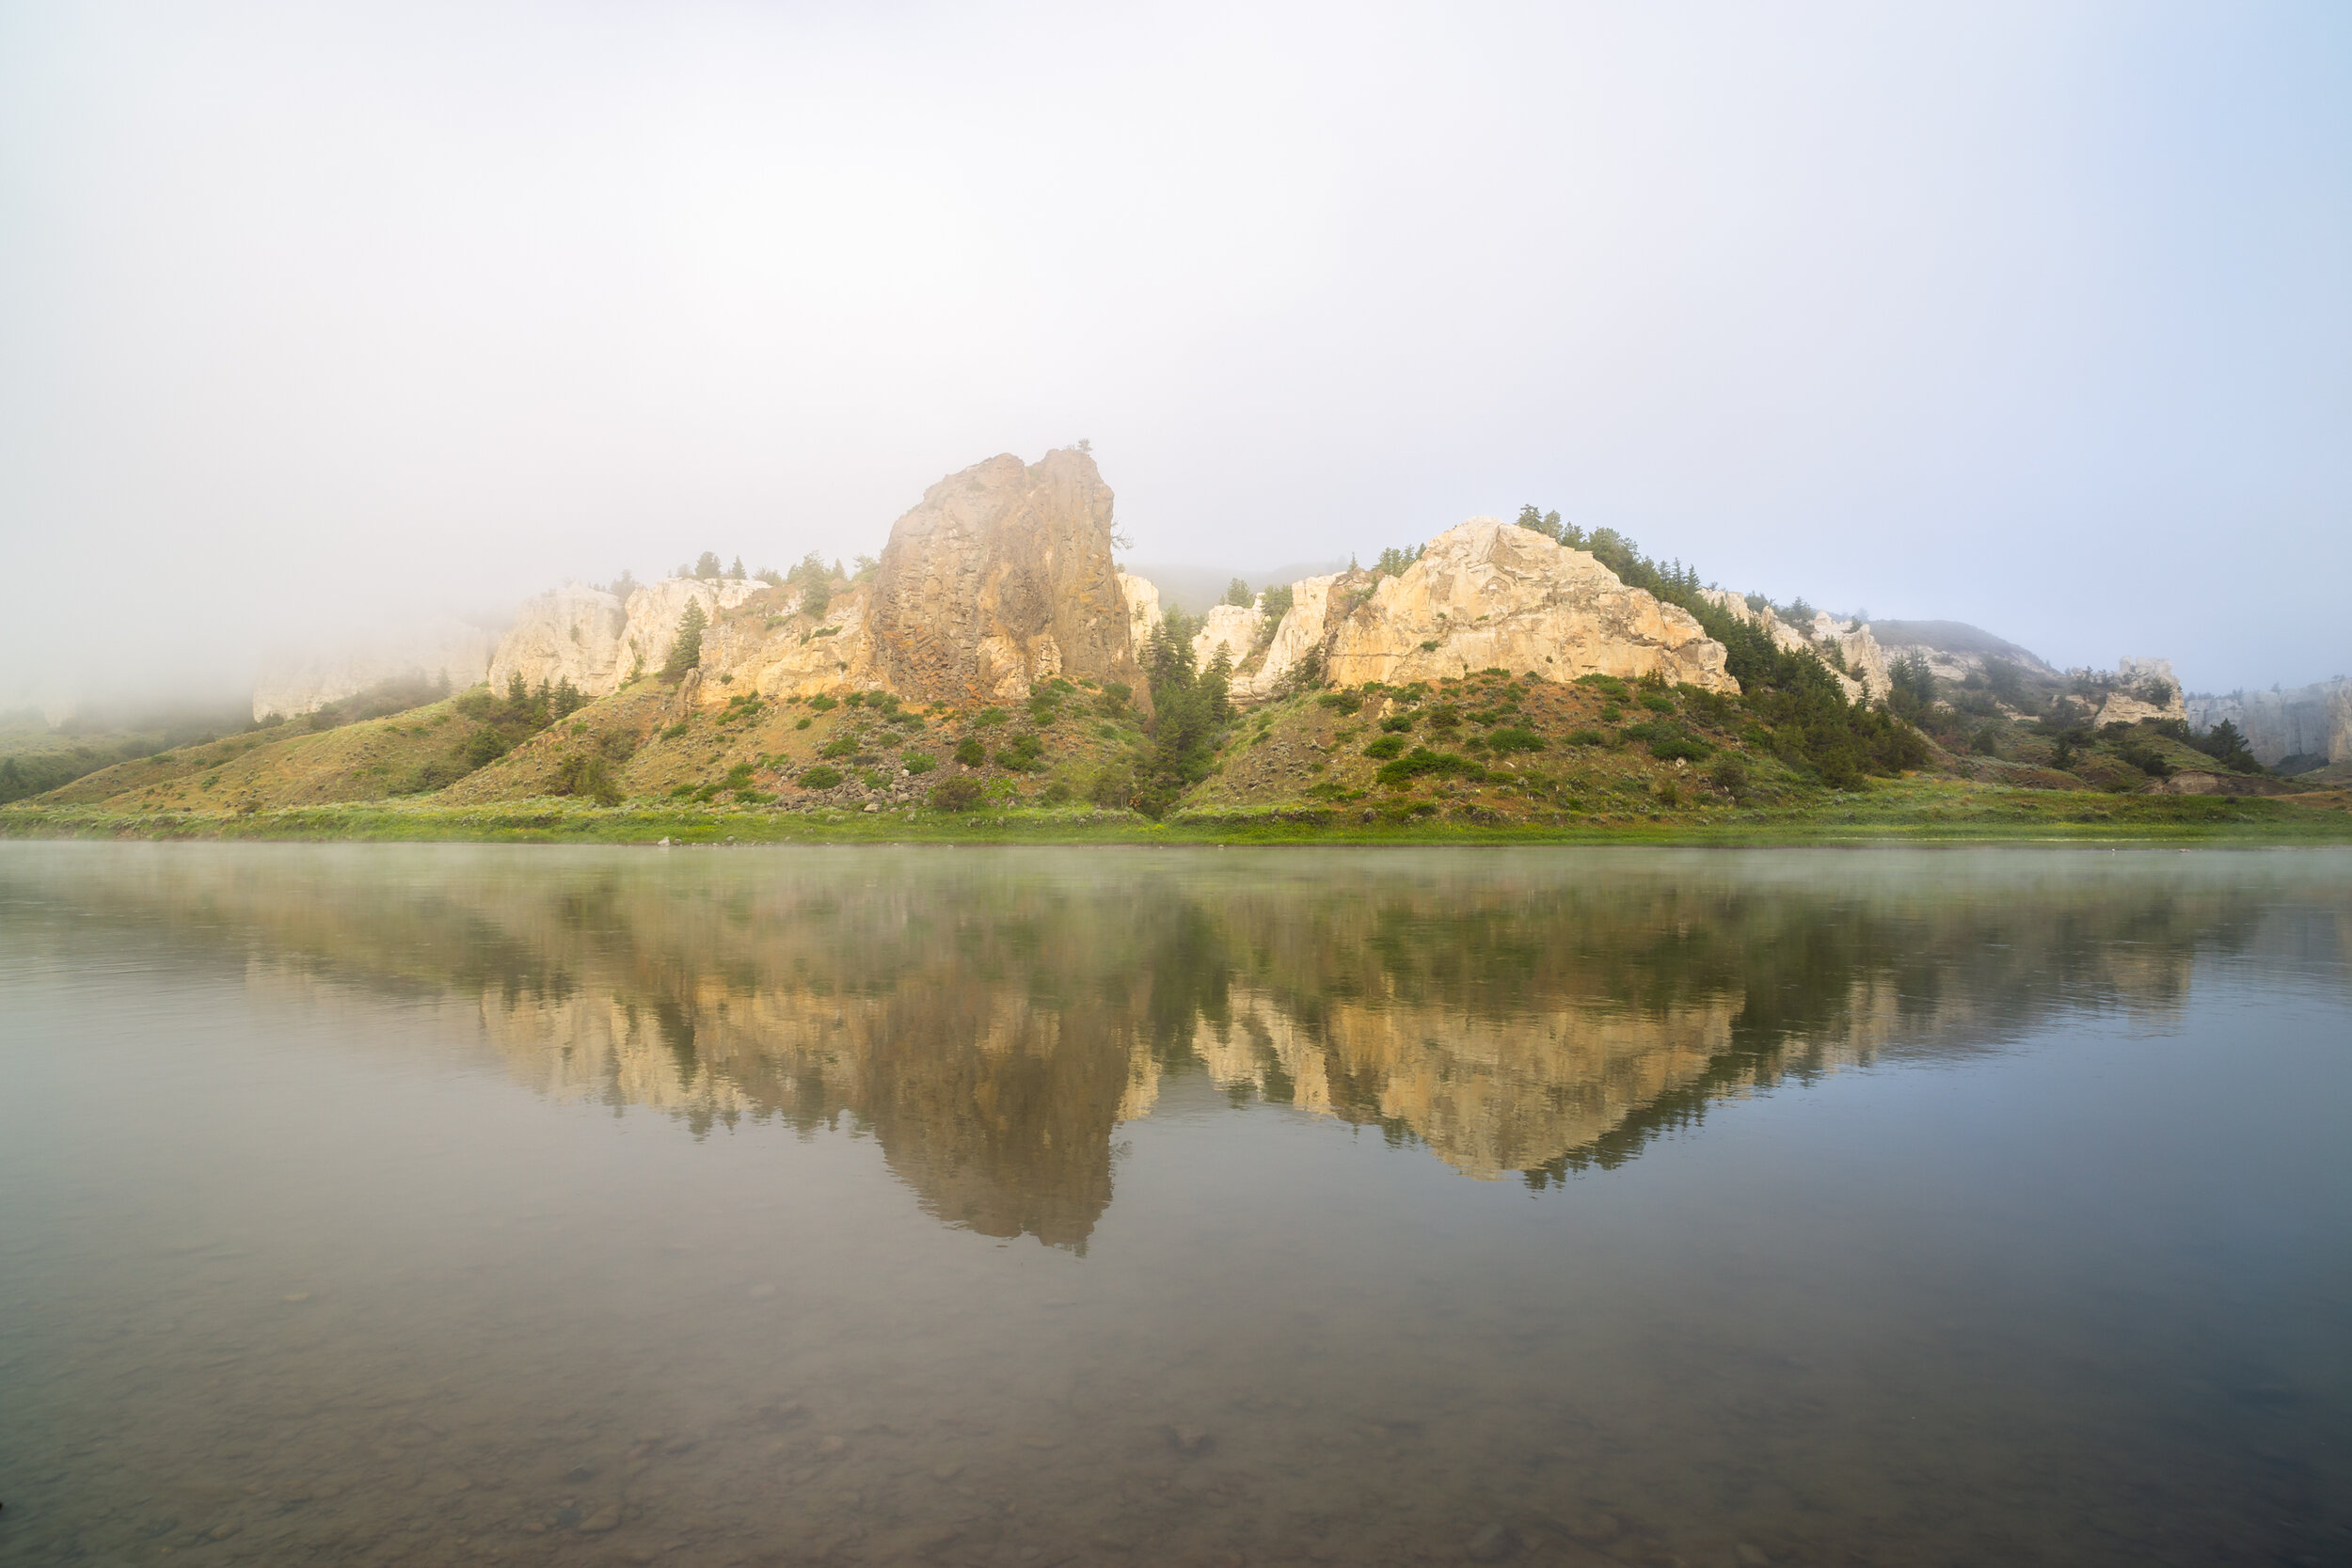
[[823, 702], [1729, 773], [1386, 746], [675, 731], [1444, 717], [1666, 748], [587, 773], [484, 747], [1342, 701], [989, 715], [970, 752], [917, 762], [1058, 792], [820, 777], [1511, 738], [1656, 702], [802, 722], [1397, 724], [1585, 737], [874, 778], [957, 794], [738, 775], [1021, 755], [1607, 686], [840, 746], [1421, 761], [1113, 786]]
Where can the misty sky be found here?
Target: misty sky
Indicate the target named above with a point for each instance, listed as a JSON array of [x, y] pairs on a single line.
[[2036, 316]]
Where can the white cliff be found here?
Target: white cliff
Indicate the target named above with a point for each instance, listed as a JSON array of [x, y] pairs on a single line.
[[1489, 594], [1235, 628], [1143, 608], [586, 636], [2312, 721]]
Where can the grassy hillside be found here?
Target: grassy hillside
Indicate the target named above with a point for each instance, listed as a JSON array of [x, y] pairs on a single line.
[[1486, 758]]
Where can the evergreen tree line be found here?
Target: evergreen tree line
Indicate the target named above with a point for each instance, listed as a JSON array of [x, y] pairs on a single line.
[[1190, 706], [1791, 691]]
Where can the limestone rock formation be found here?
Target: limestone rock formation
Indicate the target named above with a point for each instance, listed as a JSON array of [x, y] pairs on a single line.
[[2144, 689], [1487, 593], [2305, 722], [572, 633], [1297, 640], [784, 654], [586, 636], [1002, 577], [654, 612], [1143, 608], [439, 647], [1235, 628]]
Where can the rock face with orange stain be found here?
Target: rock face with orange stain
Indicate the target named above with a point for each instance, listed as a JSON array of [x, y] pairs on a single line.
[[1000, 578]]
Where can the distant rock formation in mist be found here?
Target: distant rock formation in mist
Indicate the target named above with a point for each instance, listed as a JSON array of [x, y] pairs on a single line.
[[1002, 577], [1953, 649], [2307, 722], [438, 647]]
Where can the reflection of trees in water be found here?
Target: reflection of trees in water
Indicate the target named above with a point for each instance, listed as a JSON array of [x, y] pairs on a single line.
[[990, 1020]]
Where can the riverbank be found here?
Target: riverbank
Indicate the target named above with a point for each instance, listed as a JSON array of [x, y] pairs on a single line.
[[1917, 809]]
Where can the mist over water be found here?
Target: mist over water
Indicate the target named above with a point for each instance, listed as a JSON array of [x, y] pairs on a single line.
[[418, 1205]]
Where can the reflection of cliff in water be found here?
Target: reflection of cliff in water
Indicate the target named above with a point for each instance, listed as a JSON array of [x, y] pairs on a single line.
[[990, 1019]]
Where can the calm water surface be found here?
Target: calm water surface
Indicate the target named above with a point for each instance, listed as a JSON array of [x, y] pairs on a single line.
[[428, 1204]]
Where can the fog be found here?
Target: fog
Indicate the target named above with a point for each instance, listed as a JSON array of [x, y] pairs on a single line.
[[2033, 316]]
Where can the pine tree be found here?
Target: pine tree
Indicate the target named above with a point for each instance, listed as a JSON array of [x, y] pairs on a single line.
[[687, 652]]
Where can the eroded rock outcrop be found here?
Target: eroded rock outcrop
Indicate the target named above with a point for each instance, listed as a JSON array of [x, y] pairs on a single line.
[[1297, 641], [1000, 578], [1143, 609], [1232, 629], [590, 638], [1484, 594], [2144, 689]]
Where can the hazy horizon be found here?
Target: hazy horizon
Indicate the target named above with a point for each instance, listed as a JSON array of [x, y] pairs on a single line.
[[2031, 317]]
